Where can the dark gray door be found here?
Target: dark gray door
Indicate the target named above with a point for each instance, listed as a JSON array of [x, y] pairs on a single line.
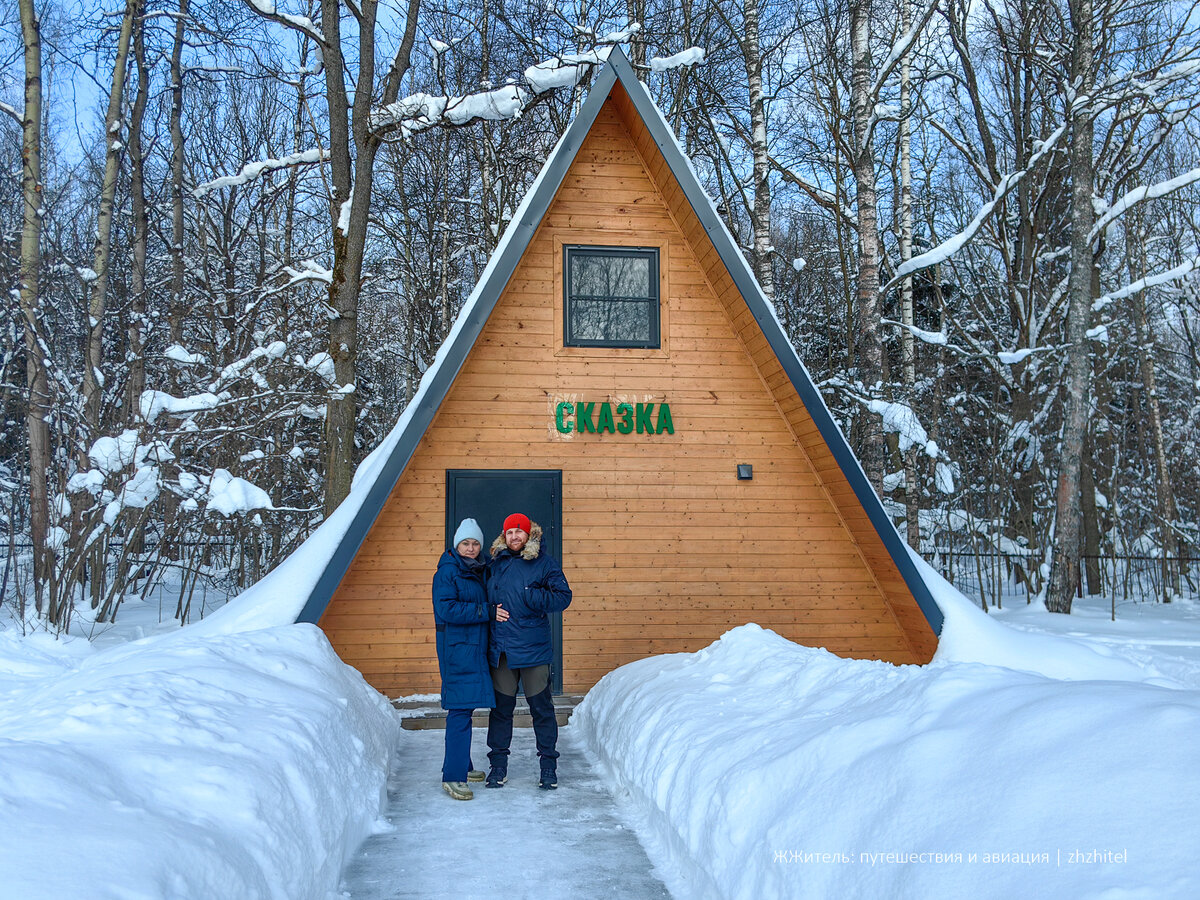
[[488, 495]]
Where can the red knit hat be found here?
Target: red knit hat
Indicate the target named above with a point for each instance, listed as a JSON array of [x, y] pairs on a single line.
[[518, 520]]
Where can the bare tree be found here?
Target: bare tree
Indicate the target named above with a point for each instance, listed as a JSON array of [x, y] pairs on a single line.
[[93, 376], [36, 380], [354, 142]]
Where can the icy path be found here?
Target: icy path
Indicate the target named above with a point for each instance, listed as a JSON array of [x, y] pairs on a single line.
[[515, 842]]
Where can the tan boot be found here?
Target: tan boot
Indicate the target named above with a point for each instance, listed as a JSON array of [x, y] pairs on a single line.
[[475, 775], [458, 790]]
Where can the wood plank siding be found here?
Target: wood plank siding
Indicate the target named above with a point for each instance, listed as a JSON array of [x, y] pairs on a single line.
[[664, 548]]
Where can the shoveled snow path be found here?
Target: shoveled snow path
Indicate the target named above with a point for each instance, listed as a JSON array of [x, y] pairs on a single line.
[[517, 841]]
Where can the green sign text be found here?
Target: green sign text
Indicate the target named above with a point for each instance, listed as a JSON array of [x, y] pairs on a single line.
[[624, 418]]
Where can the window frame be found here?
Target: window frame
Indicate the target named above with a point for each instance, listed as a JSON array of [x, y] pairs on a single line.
[[653, 254]]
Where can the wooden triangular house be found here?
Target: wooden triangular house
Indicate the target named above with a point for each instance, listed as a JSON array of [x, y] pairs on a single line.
[[618, 376]]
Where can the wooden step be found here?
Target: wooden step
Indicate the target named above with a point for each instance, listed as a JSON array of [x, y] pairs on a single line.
[[422, 714]]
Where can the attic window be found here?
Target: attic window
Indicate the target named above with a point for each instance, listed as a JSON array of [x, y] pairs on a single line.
[[611, 297]]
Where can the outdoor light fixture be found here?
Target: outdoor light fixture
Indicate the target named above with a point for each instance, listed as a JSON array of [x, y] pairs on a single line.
[[745, 472]]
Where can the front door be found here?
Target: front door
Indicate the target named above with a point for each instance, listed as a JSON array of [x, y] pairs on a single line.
[[488, 495]]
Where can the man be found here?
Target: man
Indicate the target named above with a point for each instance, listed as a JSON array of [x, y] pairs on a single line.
[[527, 584]]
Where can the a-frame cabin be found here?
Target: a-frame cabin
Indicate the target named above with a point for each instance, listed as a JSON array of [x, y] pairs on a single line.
[[618, 375]]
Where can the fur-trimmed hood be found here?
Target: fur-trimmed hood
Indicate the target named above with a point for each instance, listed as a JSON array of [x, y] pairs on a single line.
[[532, 547]]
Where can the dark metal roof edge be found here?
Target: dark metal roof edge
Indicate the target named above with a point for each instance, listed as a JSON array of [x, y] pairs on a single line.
[[514, 244], [757, 303]]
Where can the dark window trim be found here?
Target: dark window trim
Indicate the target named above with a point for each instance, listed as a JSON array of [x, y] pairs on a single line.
[[651, 253]]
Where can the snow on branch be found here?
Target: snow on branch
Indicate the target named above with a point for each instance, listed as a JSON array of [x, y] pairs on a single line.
[[692, 56], [420, 112], [182, 356], [900, 420], [902, 46], [620, 37], [1140, 195], [253, 170], [564, 71], [939, 339], [153, 403], [896, 418], [1188, 265], [309, 270], [229, 495], [300, 23], [929, 337], [949, 247]]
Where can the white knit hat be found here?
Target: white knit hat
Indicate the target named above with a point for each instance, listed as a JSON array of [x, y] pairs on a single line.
[[467, 529]]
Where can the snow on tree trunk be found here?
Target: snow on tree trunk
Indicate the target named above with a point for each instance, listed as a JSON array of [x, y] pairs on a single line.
[[1064, 571]]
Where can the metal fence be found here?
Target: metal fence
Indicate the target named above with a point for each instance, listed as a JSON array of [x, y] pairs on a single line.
[[995, 578]]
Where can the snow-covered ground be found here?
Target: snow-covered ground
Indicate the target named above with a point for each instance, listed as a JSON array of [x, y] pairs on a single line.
[[231, 766], [1058, 759], [1038, 755], [570, 843]]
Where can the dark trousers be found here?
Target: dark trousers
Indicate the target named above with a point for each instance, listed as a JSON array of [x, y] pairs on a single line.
[[457, 761], [541, 708]]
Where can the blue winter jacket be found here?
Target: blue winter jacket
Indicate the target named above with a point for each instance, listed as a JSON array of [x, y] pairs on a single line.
[[460, 609], [529, 585]]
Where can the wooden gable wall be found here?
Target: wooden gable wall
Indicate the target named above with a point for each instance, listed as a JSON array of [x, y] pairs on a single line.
[[664, 548], [900, 599]]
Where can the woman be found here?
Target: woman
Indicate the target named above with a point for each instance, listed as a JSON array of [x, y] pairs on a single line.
[[460, 611]]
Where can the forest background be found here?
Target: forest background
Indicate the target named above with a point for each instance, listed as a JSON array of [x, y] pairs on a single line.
[[234, 235]]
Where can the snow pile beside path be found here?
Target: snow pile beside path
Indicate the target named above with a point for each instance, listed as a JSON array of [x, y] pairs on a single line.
[[758, 768], [245, 766]]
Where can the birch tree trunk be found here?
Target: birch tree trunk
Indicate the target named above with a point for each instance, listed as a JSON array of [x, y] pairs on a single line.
[[93, 377], [1166, 510], [135, 327], [36, 379], [761, 221], [635, 10], [1064, 565], [176, 311], [868, 348], [912, 494]]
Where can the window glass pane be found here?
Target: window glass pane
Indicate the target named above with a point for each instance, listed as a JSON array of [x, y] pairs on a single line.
[[600, 320], [593, 275], [612, 297]]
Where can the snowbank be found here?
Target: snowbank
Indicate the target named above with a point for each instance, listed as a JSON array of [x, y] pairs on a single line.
[[245, 766], [758, 768], [969, 635]]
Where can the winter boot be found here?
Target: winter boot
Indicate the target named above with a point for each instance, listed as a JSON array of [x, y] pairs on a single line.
[[458, 790], [475, 775], [497, 777], [549, 779]]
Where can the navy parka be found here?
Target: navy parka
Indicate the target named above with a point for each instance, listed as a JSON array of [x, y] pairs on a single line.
[[460, 609], [529, 589]]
